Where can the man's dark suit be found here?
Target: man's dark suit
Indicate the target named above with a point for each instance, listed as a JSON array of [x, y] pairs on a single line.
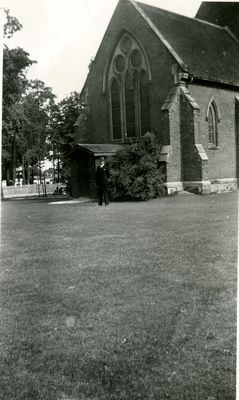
[[102, 175]]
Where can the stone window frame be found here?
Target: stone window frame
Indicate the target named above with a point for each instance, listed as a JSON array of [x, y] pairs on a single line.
[[213, 108], [133, 47]]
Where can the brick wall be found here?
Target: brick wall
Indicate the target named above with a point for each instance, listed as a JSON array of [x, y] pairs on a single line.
[[237, 135], [191, 163], [127, 19], [221, 162], [172, 124], [172, 136]]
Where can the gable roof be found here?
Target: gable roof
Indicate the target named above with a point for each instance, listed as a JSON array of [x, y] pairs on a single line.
[[205, 50], [223, 13]]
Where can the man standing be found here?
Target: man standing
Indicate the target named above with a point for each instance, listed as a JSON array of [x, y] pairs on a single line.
[[102, 175]]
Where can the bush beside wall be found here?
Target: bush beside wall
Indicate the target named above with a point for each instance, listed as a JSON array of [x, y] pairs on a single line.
[[136, 172]]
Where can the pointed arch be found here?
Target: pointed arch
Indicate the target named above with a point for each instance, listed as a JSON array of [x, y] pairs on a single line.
[[129, 67], [213, 117], [119, 38], [212, 103]]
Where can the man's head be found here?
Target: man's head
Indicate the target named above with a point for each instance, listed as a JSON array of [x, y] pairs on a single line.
[[102, 161]]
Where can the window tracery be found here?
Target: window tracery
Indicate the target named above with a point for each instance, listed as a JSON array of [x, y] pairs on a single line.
[[129, 90]]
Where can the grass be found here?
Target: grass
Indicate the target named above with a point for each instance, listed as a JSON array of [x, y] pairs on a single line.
[[131, 301]]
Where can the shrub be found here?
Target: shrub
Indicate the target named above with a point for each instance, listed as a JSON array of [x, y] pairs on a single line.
[[136, 172]]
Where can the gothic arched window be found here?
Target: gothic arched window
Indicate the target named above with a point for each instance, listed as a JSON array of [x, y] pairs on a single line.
[[129, 79], [213, 119], [115, 109]]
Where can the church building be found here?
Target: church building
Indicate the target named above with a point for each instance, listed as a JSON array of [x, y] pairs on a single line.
[[174, 76]]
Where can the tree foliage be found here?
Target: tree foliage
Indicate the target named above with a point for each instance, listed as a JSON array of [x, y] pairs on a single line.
[[37, 105], [15, 65], [28, 107], [63, 131], [66, 115], [34, 125], [136, 171], [11, 25]]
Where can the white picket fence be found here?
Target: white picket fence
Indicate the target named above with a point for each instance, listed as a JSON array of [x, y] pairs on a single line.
[[9, 192]]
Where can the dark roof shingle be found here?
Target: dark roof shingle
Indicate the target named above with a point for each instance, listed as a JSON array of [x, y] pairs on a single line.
[[223, 13], [208, 50]]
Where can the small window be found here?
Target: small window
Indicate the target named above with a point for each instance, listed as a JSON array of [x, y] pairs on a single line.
[[213, 119]]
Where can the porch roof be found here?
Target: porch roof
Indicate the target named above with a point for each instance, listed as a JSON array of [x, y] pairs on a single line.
[[98, 149]]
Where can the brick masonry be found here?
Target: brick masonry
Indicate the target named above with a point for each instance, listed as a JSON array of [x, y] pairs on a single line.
[[160, 61], [182, 126], [222, 162]]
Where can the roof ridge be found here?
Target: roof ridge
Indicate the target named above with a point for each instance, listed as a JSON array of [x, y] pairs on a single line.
[[181, 15], [160, 35], [208, 23], [231, 34]]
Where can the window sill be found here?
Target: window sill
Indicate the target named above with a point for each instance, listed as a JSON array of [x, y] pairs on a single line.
[[130, 139], [116, 141], [125, 140], [213, 147]]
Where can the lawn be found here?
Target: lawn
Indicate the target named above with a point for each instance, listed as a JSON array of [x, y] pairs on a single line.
[[131, 301]]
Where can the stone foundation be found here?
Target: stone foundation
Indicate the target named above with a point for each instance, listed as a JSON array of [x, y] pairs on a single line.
[[174, 187], [203, 187], [224, 185], [199, 187]]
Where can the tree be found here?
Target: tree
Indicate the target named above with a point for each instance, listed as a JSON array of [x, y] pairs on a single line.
[[63, 130], [37, 105], [136, 171], [69, 110], [15, 65]]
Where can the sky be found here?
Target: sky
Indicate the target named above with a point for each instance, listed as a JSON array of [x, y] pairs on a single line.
[[63, 35]]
